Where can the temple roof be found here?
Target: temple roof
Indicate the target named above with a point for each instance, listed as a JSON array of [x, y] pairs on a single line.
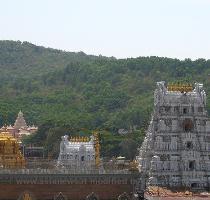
[[10, 155], [5, 135], [20, 121]]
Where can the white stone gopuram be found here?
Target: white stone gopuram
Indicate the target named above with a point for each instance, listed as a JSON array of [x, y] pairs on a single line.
[[79, 153], [176, 148]]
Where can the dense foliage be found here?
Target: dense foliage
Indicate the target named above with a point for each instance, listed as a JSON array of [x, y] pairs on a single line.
[[65, 92]]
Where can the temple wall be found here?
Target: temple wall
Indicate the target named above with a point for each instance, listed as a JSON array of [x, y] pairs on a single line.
[[73, 186], [74, 192]]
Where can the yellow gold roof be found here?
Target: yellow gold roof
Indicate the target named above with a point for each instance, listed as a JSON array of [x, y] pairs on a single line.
[[6, 135], [10, 155], [79, 139], [180, 87]]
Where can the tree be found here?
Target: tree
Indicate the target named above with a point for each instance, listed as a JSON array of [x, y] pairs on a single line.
[[128, 148]]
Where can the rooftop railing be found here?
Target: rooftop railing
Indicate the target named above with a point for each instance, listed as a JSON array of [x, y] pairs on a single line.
[[61, 171]]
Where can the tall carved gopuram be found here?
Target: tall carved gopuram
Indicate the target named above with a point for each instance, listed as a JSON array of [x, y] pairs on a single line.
[[10, 155], [176, 148]]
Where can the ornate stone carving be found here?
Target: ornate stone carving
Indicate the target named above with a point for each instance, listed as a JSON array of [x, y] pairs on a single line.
[[92, 196], [124, 196], [60, 196], [175, 153], [26, 196]]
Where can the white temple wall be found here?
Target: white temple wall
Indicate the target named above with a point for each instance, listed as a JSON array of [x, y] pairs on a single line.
[[77, 155], [208, 126], [174, 125]]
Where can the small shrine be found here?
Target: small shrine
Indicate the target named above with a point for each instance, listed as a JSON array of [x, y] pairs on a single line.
[[10, 155], [79, 152]]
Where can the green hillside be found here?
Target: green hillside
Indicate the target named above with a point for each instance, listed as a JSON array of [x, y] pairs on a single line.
[[63, 92]]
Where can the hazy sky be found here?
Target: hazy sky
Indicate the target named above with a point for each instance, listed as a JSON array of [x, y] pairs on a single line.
[[120, 28]]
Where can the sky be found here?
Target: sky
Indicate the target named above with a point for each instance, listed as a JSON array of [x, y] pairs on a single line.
[[119, 28]]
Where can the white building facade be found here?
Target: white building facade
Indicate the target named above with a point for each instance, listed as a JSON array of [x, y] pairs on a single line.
[[176, 148], [77, 154]]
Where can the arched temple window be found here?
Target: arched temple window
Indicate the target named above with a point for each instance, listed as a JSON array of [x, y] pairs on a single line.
[[191, 165], [92, 196], [200, 109], [189, 145], [185, 111], [82, 158], [26, 196], [60, 196], [187, 125], [194, 185]]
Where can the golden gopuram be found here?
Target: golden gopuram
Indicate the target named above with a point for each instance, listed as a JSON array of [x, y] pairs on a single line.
[[10, 155]]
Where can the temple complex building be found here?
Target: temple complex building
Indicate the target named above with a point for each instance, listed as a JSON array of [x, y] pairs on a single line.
[[79, 153], [176, 148], [20, 127], [10, 155]]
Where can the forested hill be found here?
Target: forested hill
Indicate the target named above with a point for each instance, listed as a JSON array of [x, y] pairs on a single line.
[[24, 58], [82, 91]]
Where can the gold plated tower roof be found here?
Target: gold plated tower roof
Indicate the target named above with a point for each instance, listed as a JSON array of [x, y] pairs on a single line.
[[10, 155], [180, 87]]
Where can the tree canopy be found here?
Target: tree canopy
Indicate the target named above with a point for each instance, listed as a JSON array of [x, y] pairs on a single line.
[[70, 91]]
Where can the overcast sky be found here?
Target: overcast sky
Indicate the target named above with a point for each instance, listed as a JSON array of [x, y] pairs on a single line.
[[120, 28]]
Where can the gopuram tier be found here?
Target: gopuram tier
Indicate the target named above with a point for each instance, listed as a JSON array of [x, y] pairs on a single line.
[[176, 148]]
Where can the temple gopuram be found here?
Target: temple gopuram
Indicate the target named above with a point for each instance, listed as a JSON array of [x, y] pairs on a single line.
[[10, 155], [173, 161], [176, 149], [20, 127]]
